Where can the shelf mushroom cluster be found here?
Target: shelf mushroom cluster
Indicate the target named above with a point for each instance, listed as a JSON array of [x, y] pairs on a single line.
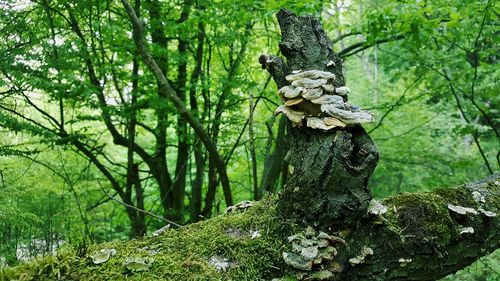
[[311, 97]]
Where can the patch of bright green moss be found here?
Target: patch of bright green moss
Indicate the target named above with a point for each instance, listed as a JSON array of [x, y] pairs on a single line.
[[422, 215], [179, 254]]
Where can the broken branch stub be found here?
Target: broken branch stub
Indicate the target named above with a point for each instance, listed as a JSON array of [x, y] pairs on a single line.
[[331, 155]]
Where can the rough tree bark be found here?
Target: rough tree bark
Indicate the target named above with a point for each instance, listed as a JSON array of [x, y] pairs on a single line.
[[423, 236], [330, 169]]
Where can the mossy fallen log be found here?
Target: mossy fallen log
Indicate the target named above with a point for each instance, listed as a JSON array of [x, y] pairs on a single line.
[[410, 236]]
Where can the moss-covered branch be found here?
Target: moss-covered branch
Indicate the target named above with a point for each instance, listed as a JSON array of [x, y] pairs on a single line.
[[423, 237], [420, 237]]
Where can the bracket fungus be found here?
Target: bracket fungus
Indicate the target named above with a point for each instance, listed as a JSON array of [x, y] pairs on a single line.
[[313, 254], [487, 213], [138, 263], [462, 210], [103, 256], [404, 262], [343, 91], [312, 96], [326, 99], [292, 102], [161, 231], [329, 88], [467, 229], [376, 208], [310, 74], [243, 205], [289, 92], [359, 259]]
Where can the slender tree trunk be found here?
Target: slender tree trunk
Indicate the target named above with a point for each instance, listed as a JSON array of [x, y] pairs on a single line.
[[268, 150], [213, 181], [256, 192], [160, 169], [274, 166], [138, 221], [197, 185], [179, 182], [140, 227]]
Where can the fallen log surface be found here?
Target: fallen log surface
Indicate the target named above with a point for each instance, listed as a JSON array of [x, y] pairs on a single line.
[[420, 236]]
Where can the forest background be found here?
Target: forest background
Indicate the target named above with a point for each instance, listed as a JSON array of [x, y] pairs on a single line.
[[87, 139]]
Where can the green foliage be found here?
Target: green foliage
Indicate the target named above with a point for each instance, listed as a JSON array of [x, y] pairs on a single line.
[[435, 111], [484, 269]]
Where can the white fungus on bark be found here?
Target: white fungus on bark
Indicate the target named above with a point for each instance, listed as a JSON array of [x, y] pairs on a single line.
[[376, 208], [467, 229], [103, 256], [342, 90], [310, 74], [313, 98], [309, 83], [487, 213], [295, 116], [326, 99], [334, 121], [314, 93], [328, 87], [292, 102], [359, 259], [319, 123], [404, 262], [462, 210], [289, 92], [347, 116]]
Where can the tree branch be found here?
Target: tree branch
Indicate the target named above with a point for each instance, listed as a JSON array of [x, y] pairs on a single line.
[[361, 46]]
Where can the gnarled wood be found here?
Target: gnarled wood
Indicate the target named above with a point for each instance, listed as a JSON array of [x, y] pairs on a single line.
[[329, 171]]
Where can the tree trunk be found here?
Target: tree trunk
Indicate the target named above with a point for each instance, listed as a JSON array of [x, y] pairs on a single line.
[[197, 184], [159, 167], [328, 175], [256, 192], [138, 219], [275, 162], [329, 171]]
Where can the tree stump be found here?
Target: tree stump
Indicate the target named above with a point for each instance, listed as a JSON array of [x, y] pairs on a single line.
[[328, 171]]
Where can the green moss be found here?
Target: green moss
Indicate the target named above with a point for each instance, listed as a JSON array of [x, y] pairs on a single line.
[[181, 254], [421, 215]]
